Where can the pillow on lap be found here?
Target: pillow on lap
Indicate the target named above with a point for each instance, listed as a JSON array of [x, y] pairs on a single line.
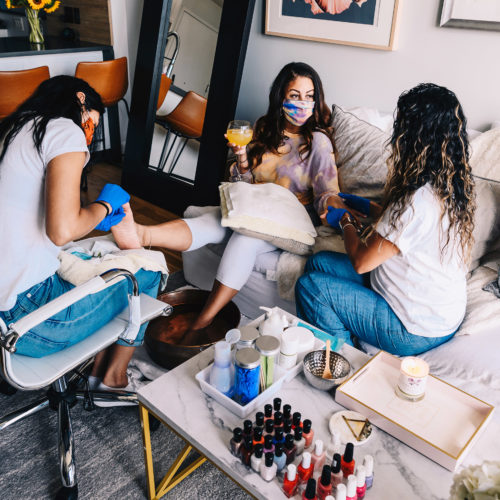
[[269, 212]]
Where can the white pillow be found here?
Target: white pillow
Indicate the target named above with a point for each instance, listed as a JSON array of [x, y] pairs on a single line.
[[269, 212]]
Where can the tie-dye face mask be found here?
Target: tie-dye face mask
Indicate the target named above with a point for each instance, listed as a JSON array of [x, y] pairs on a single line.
[[298, 112]]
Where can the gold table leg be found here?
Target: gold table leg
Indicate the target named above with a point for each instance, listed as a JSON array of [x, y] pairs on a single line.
[[171, 479]]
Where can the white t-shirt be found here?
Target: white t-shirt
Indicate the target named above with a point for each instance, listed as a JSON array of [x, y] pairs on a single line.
[[424, 286], [27, 254]]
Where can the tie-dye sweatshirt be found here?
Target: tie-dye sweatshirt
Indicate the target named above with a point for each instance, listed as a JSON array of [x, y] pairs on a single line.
[[312, 180]]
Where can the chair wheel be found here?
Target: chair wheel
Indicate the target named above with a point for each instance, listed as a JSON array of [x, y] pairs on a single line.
[[154, 423], [68, 493]]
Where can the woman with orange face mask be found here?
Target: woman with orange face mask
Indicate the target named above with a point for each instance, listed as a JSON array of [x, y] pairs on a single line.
[[43, 149]]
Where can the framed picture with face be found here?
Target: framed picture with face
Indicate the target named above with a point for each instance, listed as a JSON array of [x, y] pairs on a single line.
[[362, 23]]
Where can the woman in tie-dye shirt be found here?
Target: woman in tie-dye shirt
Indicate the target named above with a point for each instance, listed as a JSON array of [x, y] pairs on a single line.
[[292, 147]]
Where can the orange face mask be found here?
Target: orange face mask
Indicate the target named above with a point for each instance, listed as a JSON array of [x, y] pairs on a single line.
[[88, 129]]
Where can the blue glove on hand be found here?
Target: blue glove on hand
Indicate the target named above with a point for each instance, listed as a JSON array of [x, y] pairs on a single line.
[[334, 215], [111, 220], [114, 195], [357, 202]]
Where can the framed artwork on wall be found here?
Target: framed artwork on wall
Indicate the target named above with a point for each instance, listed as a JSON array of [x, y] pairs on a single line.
[[479, 14], [362, 23]]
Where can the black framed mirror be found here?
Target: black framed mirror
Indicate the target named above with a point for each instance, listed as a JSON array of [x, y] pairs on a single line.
[[163, 183]]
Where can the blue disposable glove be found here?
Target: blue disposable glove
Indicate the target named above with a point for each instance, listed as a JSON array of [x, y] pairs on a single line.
[[111, 220], [334, 215], [114, 195], [356, 202]]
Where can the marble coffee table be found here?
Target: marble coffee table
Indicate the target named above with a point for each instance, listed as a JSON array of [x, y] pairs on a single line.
[[177, 400]]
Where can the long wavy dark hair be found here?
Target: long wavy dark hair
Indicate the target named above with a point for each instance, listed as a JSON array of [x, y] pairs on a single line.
[[54, 98], [269, 129], [430, 145]]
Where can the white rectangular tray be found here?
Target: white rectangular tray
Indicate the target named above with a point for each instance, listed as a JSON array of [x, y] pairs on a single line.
[[203, 378], [443, 426]]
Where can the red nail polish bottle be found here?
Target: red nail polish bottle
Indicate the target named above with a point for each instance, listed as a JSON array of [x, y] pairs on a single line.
[[325, 483], [310, 491], [296, 420], [347, 463], [290, 481], [259, 419], [305, 469]]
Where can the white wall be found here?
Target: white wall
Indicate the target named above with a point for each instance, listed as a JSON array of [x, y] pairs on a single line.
[[464, 60]]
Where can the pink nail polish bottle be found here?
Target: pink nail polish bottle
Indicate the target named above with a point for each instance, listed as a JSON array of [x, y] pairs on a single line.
[[360, 482], [318, 456], [351, 488], [337, 475], [307, 432], [341, 492]]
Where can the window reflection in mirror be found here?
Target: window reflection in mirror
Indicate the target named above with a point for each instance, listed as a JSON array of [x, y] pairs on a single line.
[[189, 57]]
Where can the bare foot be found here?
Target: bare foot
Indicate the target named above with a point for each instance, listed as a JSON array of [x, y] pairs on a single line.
[[127, 233]]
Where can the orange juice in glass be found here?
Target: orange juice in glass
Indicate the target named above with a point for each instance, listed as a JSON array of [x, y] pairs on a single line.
[[239, 132]]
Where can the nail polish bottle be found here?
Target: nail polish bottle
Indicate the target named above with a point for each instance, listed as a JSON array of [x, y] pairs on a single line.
[[334, 446], [307, 432], [347, 463], [325, 483], [268, 412], [278, 436], [268, 444], [305, 469], [318, 456], [290, 481], [287, 411], [296, 420], [277, 404], [256, 457], [236, 441], [329, 497], [279, 456], [247, 428], [278, 420], [360, 482], [269, 427], [290, 449], [368, 463], [246, 450], [287, 425], [310, 491], [341, 493], [337, 475], [351, 488], [257, 436], [300, 442], [268, 468], [259, 419]]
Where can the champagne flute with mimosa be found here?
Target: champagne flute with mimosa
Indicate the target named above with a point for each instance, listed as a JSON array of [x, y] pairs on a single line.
[[239, 132]]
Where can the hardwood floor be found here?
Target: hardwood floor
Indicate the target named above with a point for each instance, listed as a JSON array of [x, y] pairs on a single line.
[[144, 212]]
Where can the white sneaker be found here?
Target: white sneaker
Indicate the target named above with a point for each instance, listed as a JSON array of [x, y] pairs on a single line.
[[134, 384]]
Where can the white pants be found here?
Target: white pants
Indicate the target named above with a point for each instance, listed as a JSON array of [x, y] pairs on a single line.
[[240, 253]]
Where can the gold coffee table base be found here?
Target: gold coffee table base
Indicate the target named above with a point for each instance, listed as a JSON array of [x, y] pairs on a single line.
[[172, 478]]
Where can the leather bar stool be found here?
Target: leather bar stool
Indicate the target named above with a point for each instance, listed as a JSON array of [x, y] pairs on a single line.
[[165, 83], [185, 121], [17, 86]]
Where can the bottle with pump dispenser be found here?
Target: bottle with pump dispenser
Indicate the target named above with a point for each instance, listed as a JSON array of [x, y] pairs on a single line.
[[273, 324], [256, 457], [368, 463], [290, 481], [325, 483], [318, 456], [268, 467], [351, 488], [305, 469], [310, 491]]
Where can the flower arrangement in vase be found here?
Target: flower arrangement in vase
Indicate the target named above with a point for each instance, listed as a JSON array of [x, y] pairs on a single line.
[[477, 482], [33, 8]]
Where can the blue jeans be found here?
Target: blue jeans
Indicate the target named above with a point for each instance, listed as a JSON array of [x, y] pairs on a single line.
[[78, 321], [335, 298]]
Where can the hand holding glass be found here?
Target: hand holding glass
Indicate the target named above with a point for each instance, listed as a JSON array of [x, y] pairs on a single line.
[[239, 133]]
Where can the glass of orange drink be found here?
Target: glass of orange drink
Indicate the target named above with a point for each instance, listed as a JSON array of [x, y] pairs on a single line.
[[239, 132]]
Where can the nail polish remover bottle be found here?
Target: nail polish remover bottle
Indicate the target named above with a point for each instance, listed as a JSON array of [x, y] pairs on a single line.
[[290, 481], [351, 488], [325, 483], [341, 492], [318, 456], [360, 482], [305, 469], [256, 457], [368, 463], [347, 463], [310, 491], [268, 468]]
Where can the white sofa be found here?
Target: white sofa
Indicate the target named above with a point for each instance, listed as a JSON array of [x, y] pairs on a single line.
[[360, 137]]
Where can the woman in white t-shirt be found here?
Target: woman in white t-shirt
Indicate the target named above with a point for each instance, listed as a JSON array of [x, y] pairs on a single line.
[[43, 149], [401, 287]]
